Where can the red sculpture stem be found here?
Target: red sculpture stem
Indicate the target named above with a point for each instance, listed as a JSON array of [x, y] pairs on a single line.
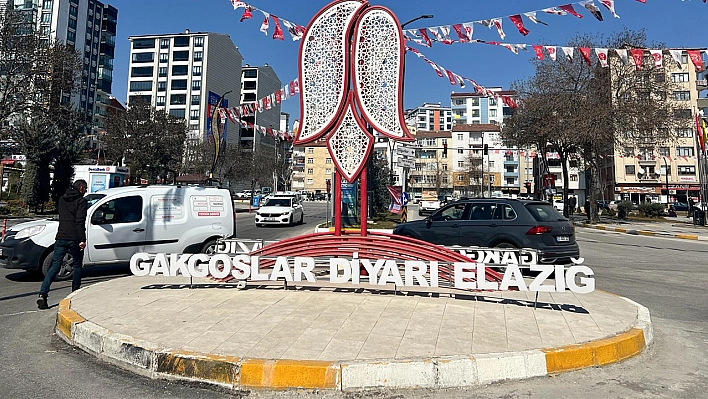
[[364, 197], [337, 204]]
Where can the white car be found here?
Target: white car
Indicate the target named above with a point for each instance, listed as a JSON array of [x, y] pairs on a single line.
[[280, 211], [558, 204]]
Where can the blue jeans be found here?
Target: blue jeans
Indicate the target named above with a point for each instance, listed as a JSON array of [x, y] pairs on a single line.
[[61, 247]]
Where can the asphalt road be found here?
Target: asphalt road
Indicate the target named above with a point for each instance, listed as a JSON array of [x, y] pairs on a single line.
[[666, 275]]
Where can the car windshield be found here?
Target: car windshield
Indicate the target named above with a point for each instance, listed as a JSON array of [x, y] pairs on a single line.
[[544, 212], [91, 199], [278, 202]]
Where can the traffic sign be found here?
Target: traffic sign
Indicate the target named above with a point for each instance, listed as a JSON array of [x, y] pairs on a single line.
[[405, 151], [406, 163]]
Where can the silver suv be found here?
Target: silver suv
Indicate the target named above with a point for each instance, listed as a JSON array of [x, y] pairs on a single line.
[[498, 222]]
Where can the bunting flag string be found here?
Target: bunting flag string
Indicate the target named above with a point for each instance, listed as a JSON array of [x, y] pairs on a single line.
[[296, 31], [456, 79], [235, 114], [421, 36]]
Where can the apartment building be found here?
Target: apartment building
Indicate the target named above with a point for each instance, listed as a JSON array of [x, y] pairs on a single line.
[[433, 163], [665, 172], [430, 117], [179, 72], [477, 174], [258, 82], [312, 167], [476, 108], [90, 27]]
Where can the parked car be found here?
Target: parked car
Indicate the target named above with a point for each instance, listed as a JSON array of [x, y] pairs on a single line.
[[428, 205], [603, 204], [417, 198], [280, 211], [558, 205], [122, 221], [498, 222], [679, 206], [245, 194]]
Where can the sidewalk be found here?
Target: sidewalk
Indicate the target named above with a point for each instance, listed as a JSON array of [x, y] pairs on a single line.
[[346, 339], [680, 227]]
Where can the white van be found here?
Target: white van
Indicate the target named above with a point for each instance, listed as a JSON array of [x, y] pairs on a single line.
[[125, 220]]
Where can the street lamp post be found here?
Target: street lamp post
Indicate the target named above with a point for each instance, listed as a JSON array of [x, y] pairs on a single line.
[[666, 174]]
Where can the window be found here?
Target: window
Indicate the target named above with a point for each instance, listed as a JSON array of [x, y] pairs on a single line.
[[686, 170], [310, 171], [682, 95], [162, 72], [444, 167], [161, 86], [182, 41], [684, 132], [460, 151], [164, 57], [492, 113], [179, 84], [120, 210], [179, 70], [134, 99], [178, 99], [309, 181], [682, 113], [194, 114], [684, 151], [482, 211], [510, 169], [249, 97], [328, 171], [666, 170], [310, 160], [143, 43], [460, 164], [491, 164], [178, 112], [47, 5], [328, 160], [164, 43], [664, 151], [46, 17], [510, 181], [160, 101], [573, 177], [73, 10], [249, 85], [141, 86], [199, 41], [629, 170], [70, 36], [196, 85], [679, 77], [250, 73], [141, 72], [196, 99], [180, 56], [193, 126], [310, 150], [198, 56], [460, 177], [143, 57], [197, 70], [460, 136]]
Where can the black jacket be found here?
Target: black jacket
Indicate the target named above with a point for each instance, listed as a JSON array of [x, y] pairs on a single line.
[[72, 216]]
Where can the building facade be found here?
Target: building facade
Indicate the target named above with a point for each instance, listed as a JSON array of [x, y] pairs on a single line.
[[90, 27], [258, 82], [430, 117], [433, 164], [475, 108], [176, 73]]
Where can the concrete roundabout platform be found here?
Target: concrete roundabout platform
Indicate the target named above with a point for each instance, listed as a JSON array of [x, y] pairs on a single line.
[[346, 338]]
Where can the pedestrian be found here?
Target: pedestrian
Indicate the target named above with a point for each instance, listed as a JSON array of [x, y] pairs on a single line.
[[572, 202], [70, 238], [587, 208]]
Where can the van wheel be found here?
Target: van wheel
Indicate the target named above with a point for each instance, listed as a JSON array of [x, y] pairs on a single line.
[[65, 270], [209, 247]]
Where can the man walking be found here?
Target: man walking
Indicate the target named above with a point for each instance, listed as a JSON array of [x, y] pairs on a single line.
[[572, 202], [71, 238]]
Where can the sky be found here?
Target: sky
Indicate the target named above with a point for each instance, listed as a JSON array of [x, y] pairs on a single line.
[[676, 23]]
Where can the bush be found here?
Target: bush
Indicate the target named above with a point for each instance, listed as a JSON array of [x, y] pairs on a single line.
[[610, 212], [651, 209], [624, 208]]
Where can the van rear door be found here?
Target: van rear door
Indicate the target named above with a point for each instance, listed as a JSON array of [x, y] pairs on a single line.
[[116, 228]]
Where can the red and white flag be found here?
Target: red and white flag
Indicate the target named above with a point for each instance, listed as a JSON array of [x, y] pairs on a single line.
[[445, 32], [638, 57], [462, 33], [594, 10], [658, 58], [292, 30], [602, 56], [238, 4], [585, 53], [424, 35], [264, 24], [695, 56], [532, 16], [569, 51], [246, 14], [296, 85], [610, 4], [451, 77], [570, 10], [278, 32], [622, 53], [676, 55], [497, 23], [277, 96], [554, 11], [539, 51], [551, 50], [519, 23], [292, 88]]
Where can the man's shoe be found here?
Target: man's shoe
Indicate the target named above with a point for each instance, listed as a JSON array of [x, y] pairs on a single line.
[[42, 302]]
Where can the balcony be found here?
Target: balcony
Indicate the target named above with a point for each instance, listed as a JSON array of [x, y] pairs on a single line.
[[701, 84], [647, 161]]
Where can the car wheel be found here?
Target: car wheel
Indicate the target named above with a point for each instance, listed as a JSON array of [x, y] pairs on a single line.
[[505, 245], [65, 271], [208, 247], [420, 213], [290, 223], [258, 225], [302, 218]]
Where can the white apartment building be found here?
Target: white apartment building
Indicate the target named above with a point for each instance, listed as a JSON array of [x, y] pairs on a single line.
[[430, 117], [89, 26], [177, 73], [475, 108], [258, 82]]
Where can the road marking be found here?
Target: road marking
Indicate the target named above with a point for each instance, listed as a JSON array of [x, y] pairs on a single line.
[[19, 313]]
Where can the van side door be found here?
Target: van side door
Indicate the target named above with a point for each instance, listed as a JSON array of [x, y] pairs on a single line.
[[116, 229]]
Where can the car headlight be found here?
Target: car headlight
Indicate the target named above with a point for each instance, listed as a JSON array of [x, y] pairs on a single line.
[[29, 232]]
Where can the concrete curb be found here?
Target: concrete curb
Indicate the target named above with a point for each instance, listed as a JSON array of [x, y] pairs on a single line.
[[635, 232], [236, 373]]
